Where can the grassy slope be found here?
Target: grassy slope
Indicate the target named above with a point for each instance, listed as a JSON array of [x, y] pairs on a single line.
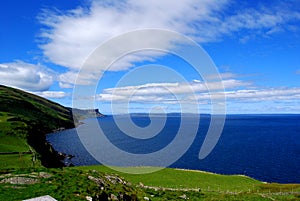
[[177, 178], [21, 111], [73, 184], [24, 119]]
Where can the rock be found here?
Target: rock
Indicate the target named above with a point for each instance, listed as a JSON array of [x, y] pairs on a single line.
[[88, 198], [33, 174], [5, 175], [141, 184], [183, 196], [86, 113], [113, 197], [115, 179], [146, 198], [42, 198], [45, 175], [20, 180], [98, 181]]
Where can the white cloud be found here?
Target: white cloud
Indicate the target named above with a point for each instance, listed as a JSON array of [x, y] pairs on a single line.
[[162, 88], [254, 96], [68, 79], [71, 36], [26, 76], [52, 94], [274, 94], [172, 93], [223, 76], [75, 34], [166, 92]]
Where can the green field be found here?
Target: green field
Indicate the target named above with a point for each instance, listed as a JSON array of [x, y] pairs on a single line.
[[9, 143], [176, 178], [24, 121], [12, 140], [167, 184], [12, 144], [17, 161]]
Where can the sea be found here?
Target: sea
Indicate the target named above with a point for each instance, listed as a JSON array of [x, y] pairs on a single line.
[[264, 147]]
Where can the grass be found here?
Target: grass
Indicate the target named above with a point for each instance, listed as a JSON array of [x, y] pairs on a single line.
[[13, 144], [73, 184], [21, 111], [66, 184], [24, 120], [175, 178], [213, 186], [17, 161]]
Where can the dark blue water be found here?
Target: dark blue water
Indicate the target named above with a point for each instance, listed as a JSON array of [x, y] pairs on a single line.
[[264, 147]]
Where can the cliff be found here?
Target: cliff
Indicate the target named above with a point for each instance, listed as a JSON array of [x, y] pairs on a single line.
[[85, 113]]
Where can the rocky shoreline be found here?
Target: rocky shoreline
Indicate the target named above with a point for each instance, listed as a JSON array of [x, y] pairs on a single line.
[[63, 159]]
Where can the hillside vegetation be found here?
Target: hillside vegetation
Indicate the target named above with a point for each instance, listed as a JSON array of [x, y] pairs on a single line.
[[24, 120], [102, 183], [23, 112]]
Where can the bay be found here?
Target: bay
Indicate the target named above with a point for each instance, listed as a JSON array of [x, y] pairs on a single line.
[[264, 147]]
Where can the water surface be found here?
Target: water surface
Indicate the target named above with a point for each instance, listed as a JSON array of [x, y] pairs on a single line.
[[265, 147]]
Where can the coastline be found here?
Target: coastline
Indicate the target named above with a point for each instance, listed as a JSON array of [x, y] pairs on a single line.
[[261, 174], [78, 116], [59, 156]]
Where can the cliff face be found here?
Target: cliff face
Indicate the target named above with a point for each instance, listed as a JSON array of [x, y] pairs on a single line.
[[79, 114], [98, 113], [93, 113]]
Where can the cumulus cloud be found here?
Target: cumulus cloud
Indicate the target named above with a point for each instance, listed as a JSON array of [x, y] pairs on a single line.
[[66, 80], [75, 34], [52, 94], [26, 76], [71, 36]]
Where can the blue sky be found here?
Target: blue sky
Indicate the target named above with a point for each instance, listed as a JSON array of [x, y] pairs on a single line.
[[255, 46]]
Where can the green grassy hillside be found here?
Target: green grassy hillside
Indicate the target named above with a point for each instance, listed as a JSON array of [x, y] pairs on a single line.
[[22, 112], [24, 120], [101, 183]]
